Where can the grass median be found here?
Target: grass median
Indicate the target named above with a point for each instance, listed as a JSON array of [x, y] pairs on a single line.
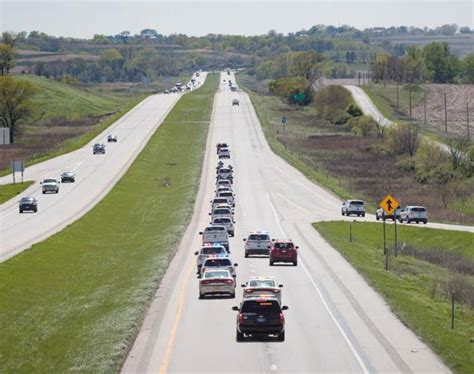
[[417, 287], [75, 301], [8, 191]]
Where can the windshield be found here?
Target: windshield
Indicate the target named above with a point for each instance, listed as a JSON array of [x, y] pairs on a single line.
[[262, 283], [224, 220], [261, 307], [225, 193], [419, 209], [284, 245], [217, 274], [26, 199], [221, 211], [212, 250], [357, 202], [259, 237], [217, 262], [49, 181], [215, 229]]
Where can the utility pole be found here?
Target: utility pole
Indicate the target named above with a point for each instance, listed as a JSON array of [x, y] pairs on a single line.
[[445, 114], [467, 119], [398, 95], [359, 79], [424, 107], [409, 99]]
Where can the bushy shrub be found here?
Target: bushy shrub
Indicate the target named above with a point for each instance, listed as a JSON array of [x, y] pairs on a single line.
[[362, 126], [403, 139], [341, 118], [354, 110]]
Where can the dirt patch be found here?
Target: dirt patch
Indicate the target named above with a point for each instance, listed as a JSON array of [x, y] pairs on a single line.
[[457, 98]]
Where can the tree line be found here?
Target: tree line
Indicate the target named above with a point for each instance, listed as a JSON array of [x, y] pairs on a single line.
[[433, 63]]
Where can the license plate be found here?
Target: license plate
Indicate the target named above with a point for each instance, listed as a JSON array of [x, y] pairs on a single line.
[[261, 319], [284, 251]]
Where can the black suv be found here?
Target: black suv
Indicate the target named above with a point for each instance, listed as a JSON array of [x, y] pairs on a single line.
[[260, 317], [28, 203]]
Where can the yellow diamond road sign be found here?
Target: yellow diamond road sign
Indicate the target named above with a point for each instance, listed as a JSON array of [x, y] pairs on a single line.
[[389, 204]]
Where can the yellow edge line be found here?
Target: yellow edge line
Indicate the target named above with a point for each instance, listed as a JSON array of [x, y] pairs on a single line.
[[174, 328]]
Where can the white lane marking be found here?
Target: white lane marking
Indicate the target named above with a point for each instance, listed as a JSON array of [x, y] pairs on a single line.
[[315, 286], [76, 166]]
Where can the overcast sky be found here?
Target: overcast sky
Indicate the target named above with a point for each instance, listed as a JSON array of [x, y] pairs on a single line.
[[86, 18]]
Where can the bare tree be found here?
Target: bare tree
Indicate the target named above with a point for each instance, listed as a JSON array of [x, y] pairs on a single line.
[[458, 149], [307, 65]]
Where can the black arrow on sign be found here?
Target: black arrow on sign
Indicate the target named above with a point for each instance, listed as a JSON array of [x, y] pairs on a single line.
[[389, 205]]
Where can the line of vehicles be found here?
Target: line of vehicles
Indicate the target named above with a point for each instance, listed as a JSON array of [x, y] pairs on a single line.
[[260, 313], [51, 185], [407, 214]]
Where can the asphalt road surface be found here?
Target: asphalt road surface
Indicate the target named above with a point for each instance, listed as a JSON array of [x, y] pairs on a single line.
[[95, 177], [335, 322]]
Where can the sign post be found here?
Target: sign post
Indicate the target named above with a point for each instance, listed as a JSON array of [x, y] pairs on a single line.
[[389, 205], [18, 166], [283, 123]]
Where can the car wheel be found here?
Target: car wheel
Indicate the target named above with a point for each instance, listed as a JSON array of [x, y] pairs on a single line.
[[232, 295], [342, 212], [377, 217], [281, 337], [36, 210], [363, 214], [271, 263], [425, 222], [201, 296], [21, 211], [246, 255], [295, 263], [239, 336]]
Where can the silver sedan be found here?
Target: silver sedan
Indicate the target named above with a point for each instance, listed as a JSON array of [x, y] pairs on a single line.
[[215, 282]]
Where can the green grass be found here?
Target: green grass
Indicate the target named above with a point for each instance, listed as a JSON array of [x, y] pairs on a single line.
[[59, 100], [8, 191], [267, 118], [408, 286], [75, 301]]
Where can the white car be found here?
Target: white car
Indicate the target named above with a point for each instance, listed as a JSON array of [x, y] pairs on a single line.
[[207, 250], [355, 207], [229, 195], [224, 183], [221, 212], [257, 243], [261, 287], [219, 201], [224, 153], [414, 214], [215, 233], [225, 221], [224, 173], [219, 263], [50, 185], [215, 282]]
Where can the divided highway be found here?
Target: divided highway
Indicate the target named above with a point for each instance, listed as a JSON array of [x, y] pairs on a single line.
[[95, 177], [335, 321]]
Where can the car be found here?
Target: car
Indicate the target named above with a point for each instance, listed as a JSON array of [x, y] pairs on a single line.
[[166, 92], [220, 165], [221, 145], [225, 173], [234, 89], [257, 243], [235, 101], [218, 262], [215, 282], [215, 233], [283, 250], [230, 83], [207, 250], [224, 153], [98, 149], [218, 201], [355, 207], [262, 286], [229, 195], [227, 222], [50, 185], [414, 214], [221, 212], [28, 203], [224, 183], [111, 138], [224, 205], [68, 176], [260, 317], [380, 214], [222, 189]]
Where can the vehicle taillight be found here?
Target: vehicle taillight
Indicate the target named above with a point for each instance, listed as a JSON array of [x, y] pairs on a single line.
[[206, 282], [276, 291], [241, 318], [228, 281], [282, 318], [248, 291]]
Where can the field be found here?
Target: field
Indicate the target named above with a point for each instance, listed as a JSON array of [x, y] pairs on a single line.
[[458, 98], [75, 301], [349, 165], [64, 118], [416, 286]]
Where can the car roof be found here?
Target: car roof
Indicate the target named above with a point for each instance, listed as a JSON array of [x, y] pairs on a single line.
[[261, 277], [265, 297], [283, 241], [415, 206], [212, 226], [258, 233]]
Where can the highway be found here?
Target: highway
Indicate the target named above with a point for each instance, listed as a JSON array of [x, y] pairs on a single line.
[[95, 177], [335, 322]]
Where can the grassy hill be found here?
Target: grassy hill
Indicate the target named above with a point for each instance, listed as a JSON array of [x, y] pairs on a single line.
[[60, 100]]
